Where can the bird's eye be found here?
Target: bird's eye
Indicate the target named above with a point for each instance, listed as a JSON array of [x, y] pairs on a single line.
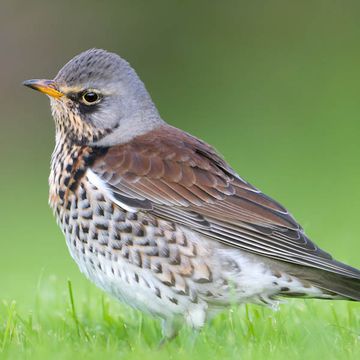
[[90, 97]]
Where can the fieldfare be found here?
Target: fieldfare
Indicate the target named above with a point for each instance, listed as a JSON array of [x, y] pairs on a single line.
[[155, 217]]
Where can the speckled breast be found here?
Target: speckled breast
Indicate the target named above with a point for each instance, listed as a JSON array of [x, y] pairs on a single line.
[[140, 259]]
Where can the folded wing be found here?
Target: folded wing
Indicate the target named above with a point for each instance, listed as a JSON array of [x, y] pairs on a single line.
[[182, 179]]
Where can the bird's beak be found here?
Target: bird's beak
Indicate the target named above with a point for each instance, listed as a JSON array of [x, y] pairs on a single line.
[[47, 87]]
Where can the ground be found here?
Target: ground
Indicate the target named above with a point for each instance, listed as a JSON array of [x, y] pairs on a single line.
[[62, 324]]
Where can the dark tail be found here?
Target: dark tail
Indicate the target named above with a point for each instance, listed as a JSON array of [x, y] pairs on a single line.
[[347, 287]]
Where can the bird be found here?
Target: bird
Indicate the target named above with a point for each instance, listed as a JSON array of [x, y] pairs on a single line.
[[157, 218]]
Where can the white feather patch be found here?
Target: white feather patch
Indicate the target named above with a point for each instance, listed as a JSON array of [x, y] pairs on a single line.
[[95, 180]]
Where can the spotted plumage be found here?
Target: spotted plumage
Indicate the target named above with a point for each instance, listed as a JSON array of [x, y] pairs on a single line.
[[155, 217]]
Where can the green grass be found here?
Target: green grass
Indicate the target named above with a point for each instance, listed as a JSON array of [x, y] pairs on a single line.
[[273, 85], [63, 324]]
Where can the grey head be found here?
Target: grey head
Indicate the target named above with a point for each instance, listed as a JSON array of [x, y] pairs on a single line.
[[97, 99]]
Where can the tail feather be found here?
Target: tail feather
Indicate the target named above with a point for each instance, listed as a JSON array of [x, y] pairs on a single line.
[[346, 287], [337, 285], [331, 283]]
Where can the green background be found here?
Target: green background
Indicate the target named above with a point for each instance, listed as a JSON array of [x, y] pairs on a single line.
[[273, 85]]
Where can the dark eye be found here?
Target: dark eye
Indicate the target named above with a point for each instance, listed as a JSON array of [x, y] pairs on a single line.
[[90, 97]]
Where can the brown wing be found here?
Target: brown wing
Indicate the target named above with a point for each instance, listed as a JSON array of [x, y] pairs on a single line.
[[182, 179]]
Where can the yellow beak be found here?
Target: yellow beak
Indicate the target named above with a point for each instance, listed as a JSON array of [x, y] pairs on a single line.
[[47, 87]]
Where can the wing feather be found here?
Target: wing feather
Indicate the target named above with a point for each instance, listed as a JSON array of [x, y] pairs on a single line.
[[182, 179]]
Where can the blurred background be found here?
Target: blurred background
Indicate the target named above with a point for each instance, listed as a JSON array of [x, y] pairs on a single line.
[[273, 85]]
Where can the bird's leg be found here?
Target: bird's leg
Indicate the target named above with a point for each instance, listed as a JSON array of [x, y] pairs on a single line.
[[192, 340], [170, 329]]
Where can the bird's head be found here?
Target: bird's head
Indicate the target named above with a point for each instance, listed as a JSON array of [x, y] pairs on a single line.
[[97, 99]]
